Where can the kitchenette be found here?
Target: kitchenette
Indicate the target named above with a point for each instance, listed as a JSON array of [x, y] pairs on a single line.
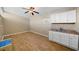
[[63, 29]]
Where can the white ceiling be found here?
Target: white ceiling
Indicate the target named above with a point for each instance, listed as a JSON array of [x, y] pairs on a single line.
[[42, 10]]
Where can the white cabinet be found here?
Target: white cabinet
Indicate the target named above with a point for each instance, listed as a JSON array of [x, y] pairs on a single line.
[[64, 17], [61, 17], [71, 16], [50, 35], [53, 36], [64, 39], [56, 36], [73, 42], [69, 40]]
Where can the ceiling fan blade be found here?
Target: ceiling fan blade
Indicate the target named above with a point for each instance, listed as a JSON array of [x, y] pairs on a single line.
[[26, 11], [36, 12]]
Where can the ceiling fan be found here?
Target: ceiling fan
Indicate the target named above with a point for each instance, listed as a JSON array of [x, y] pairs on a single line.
[[31, 10]]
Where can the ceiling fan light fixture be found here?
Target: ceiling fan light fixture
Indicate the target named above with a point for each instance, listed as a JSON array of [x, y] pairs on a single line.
[[31, 10]]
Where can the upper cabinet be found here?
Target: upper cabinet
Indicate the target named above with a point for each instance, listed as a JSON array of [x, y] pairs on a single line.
[[64, 17], [71, 16]]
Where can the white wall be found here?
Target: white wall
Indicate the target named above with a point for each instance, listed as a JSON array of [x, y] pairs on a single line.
[[14, 23], [1, 26], [40, 25]]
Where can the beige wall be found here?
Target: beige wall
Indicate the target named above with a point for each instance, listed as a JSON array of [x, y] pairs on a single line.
[[41, 25], [14, 23], [1, 26]]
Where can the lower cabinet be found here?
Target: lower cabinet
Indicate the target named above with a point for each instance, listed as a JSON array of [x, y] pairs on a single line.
[[69, 40], [63, 39], [73, 42]]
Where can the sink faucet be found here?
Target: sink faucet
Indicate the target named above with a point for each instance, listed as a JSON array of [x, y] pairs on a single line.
[[61, 29]]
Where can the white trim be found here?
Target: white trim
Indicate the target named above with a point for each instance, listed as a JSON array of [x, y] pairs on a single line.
[[23, 32], [16, 33], [39, 33]]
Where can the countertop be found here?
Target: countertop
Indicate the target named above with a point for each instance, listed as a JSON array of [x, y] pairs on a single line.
[[66, 31]]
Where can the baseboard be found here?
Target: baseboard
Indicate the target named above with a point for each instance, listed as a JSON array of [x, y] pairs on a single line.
[[23, 32], [39, 33], [16, 33]]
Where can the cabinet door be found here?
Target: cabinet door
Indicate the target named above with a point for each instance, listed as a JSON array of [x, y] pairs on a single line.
[[63, 17], [73, 42], [50, 35], [71, 16], [56, 37], [53, 36], [64, 39], [59, 17]]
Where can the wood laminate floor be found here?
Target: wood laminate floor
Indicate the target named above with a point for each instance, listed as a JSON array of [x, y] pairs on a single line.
[[33, 42]]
